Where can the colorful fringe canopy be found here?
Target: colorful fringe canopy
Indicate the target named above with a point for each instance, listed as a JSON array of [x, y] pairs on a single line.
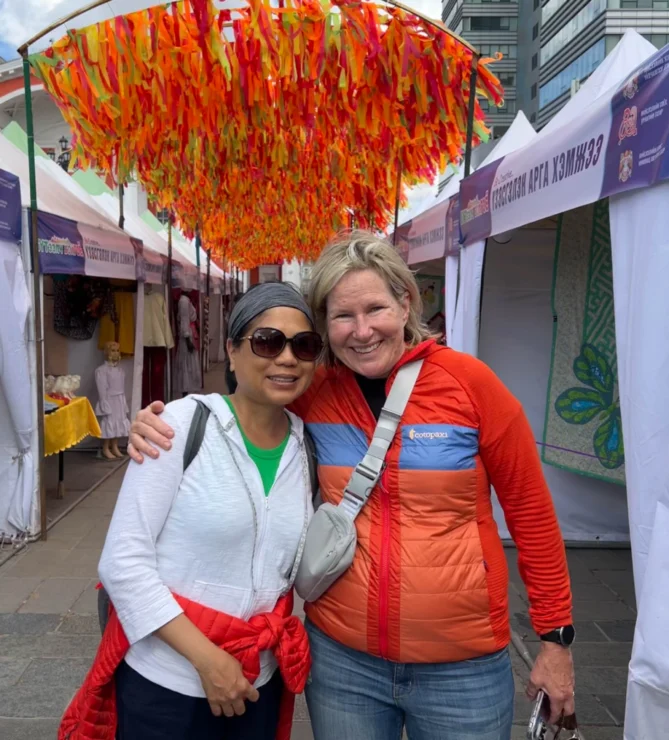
[[266, 128]]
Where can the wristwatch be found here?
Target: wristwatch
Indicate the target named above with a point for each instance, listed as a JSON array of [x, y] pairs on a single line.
[[564, 636]]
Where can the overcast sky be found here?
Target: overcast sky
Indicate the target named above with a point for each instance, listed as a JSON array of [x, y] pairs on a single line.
[[21, 19]]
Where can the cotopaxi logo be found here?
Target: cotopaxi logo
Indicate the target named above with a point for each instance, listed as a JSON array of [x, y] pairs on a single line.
[[413, 434]]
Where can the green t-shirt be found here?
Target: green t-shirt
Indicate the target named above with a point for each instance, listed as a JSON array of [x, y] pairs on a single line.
[[267, 461]]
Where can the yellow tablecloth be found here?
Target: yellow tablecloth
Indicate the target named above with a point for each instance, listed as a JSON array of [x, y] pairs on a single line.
[[69, 425]]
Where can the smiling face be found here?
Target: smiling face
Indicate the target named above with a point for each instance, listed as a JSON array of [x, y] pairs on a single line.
[[365, 324], [276, 381]]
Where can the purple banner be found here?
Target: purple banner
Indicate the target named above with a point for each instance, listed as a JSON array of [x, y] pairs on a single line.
[[636, 155], [10, 207], [474, 201], [61, 249]]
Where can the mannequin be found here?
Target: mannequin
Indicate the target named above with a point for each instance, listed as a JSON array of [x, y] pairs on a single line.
[[112, 408]]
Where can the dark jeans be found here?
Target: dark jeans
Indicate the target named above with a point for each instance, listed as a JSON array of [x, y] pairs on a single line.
[[147, 711]]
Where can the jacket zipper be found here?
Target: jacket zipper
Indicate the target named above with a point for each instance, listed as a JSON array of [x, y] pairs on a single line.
[[384, 568]]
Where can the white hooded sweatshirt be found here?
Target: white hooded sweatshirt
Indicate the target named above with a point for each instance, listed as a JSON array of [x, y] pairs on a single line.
[[209, 534]]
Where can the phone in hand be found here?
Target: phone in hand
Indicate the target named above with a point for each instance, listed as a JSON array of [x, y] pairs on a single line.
[[541, 712]]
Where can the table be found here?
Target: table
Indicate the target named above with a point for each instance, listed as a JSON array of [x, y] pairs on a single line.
[[65, 428]]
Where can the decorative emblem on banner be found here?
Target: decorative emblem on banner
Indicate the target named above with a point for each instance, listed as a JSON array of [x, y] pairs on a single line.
[[626, 166], [475, 207], [631, 88], [628, 124]]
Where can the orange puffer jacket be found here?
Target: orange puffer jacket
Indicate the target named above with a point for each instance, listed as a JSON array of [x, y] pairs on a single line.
[[429, 579], [92, 713]]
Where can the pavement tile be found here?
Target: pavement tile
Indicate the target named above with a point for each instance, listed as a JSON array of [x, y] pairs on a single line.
[[87, 603], [55, 596], [596, 610], [78, 523], [28, 729], [301, 711], [615, 703], [28, 624], [604, 559], [23, 701], [301, 731], [608, 680], [80, 624], [43, 673], [14, 591], [78, 563], [36, 563], [53, 645], [11, 671], [618, 630], [95, 539], [602, 733], [592, 592]]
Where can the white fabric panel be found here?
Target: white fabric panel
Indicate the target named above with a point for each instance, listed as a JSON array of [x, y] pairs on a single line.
[[648, 688], [640, 246], [516, 342], [452, 266], [465, 336], [17, 422]]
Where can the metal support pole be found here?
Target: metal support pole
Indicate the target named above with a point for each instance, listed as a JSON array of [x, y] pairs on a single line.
[[170, 306], [470, 114], [208, 272], [200, 322], [397, 199], [37, 296], [121, 216]]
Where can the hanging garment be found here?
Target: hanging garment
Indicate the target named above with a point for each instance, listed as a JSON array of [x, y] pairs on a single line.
[[187, 376], [121, 330], [112, 408], [157, 329], [78, 303], [153, 375]]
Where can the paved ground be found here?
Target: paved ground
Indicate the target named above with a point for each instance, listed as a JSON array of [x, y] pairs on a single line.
[[49, 631]]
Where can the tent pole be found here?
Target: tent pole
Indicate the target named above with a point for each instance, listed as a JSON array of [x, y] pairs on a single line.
[[170, 309], [397, 199], [37, 297], [470, 113], [121, 215], [198, 245], [208, 271]]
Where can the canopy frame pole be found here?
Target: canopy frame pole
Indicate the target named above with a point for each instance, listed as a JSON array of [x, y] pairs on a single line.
[[170, 302], [121, 213], [37, 296], [397, 200]]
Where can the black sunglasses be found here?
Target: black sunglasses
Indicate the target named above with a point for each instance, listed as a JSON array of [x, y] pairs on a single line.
[[268, 343]]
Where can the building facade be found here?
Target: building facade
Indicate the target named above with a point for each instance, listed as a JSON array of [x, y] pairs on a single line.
[[490, 27], [550, 46]]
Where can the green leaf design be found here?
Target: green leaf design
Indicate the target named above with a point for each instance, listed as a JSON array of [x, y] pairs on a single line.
[[608, 442], [593, 369], [579, 405]]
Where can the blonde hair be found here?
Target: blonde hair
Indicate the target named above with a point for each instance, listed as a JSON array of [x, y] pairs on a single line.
[[362, 250]]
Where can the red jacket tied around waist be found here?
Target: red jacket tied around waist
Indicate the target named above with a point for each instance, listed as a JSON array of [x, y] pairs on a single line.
[[92, 713]]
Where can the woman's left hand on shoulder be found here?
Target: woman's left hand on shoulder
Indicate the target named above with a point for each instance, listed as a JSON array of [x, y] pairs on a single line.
[[553, 673]]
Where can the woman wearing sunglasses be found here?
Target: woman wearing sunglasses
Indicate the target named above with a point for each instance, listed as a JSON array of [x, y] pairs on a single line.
[[414, 634], [199, 563]]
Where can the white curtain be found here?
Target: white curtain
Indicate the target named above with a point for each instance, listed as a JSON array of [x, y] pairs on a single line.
[[465, 335], [17, 422], [640, 248]]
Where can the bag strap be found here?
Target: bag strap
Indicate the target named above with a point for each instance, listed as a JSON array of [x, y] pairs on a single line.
[[312, 462], [198, 426], [368, 471]]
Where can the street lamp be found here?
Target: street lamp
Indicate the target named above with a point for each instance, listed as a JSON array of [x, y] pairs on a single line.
[[65, 153]]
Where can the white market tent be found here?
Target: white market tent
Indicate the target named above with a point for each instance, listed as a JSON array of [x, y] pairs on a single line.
[[609, 141]]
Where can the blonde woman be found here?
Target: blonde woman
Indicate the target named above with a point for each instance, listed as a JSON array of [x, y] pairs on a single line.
[[414, 635]]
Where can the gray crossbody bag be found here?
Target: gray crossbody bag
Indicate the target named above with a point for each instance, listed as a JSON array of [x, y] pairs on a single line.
[[331, 538]]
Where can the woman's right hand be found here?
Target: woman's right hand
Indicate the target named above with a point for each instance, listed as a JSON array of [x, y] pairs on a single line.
[[224, 683], [147, 427]]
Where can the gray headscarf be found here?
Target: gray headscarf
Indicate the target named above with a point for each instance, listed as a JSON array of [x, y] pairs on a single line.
[[261, 298]]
